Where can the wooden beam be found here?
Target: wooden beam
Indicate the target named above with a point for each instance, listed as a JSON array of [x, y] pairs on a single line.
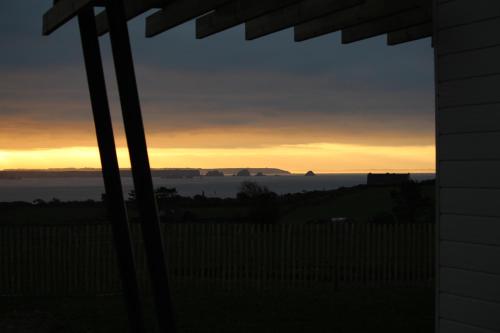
[[410, 34], [387, 24], [234, 13], [370, 10], [133, 8], [61, 12], [298, 13], [139, 161], [115, 205], [178, 12]]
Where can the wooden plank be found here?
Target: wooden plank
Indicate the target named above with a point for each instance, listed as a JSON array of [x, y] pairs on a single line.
[[477, 202], [469, 37], [473, 257], [470, 63], [178, 12], [470, 91], [470, 118], [61, 12], [133, 8], [287, 17], [370, 10], [471, 229], [470, 174], [448, 326], [234, 13], [469, 311], [469, 146], [470, 284], [460, 12], [387, 24], [410, 34]]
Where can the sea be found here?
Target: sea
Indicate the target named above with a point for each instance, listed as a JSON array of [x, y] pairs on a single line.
[[91, 188]]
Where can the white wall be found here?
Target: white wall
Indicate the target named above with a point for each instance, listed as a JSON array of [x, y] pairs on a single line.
[[467, 44]]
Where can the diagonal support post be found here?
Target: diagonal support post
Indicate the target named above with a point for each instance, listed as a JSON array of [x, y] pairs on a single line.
[[141, 172], [110, 169]]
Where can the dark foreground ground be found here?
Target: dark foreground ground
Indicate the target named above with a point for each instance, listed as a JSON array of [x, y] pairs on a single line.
[[211, 310]]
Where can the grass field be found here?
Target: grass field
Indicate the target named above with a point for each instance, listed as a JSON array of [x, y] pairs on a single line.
[[211, 310]]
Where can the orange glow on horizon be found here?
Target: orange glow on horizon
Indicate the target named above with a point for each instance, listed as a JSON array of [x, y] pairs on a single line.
[[319, 157]]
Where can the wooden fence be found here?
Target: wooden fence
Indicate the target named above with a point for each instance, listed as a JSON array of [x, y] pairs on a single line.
[[80, 259]]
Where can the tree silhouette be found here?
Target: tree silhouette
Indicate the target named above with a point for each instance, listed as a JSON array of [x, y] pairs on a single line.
[[262, 203]]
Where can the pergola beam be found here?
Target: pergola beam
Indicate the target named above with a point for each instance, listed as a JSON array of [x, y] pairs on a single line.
[[133, 8], [115, 205], [387, 24], [61, 12], [410, 34], [370, 10], [139, 160], [295, 14], [311, 18], [178, 12], [234, 13]]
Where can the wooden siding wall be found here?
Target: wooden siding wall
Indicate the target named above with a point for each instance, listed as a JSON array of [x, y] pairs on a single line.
[[467, 49]]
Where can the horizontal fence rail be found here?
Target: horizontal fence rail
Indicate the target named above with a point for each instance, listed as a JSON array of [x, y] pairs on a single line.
[[80, 259]]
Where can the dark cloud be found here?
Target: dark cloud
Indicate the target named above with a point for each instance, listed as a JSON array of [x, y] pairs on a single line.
[[223, 81], [178, 49]]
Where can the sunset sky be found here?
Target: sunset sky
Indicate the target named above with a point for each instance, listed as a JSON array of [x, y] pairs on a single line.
[[222, 101]]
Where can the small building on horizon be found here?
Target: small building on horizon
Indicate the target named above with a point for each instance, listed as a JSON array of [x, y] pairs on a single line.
[[214, 173]]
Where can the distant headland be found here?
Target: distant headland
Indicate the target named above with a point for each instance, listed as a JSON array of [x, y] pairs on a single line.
[[159, 172]]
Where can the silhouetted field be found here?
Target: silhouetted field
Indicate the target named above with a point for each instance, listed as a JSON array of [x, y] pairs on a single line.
[[208, 309], [204, 305], [388, 204]]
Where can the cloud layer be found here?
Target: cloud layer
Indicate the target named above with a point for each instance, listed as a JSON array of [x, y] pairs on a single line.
[[50, 108], [219, 93]]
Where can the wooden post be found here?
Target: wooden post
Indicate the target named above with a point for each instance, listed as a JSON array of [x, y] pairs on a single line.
[[110, 170], [141, 172]]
